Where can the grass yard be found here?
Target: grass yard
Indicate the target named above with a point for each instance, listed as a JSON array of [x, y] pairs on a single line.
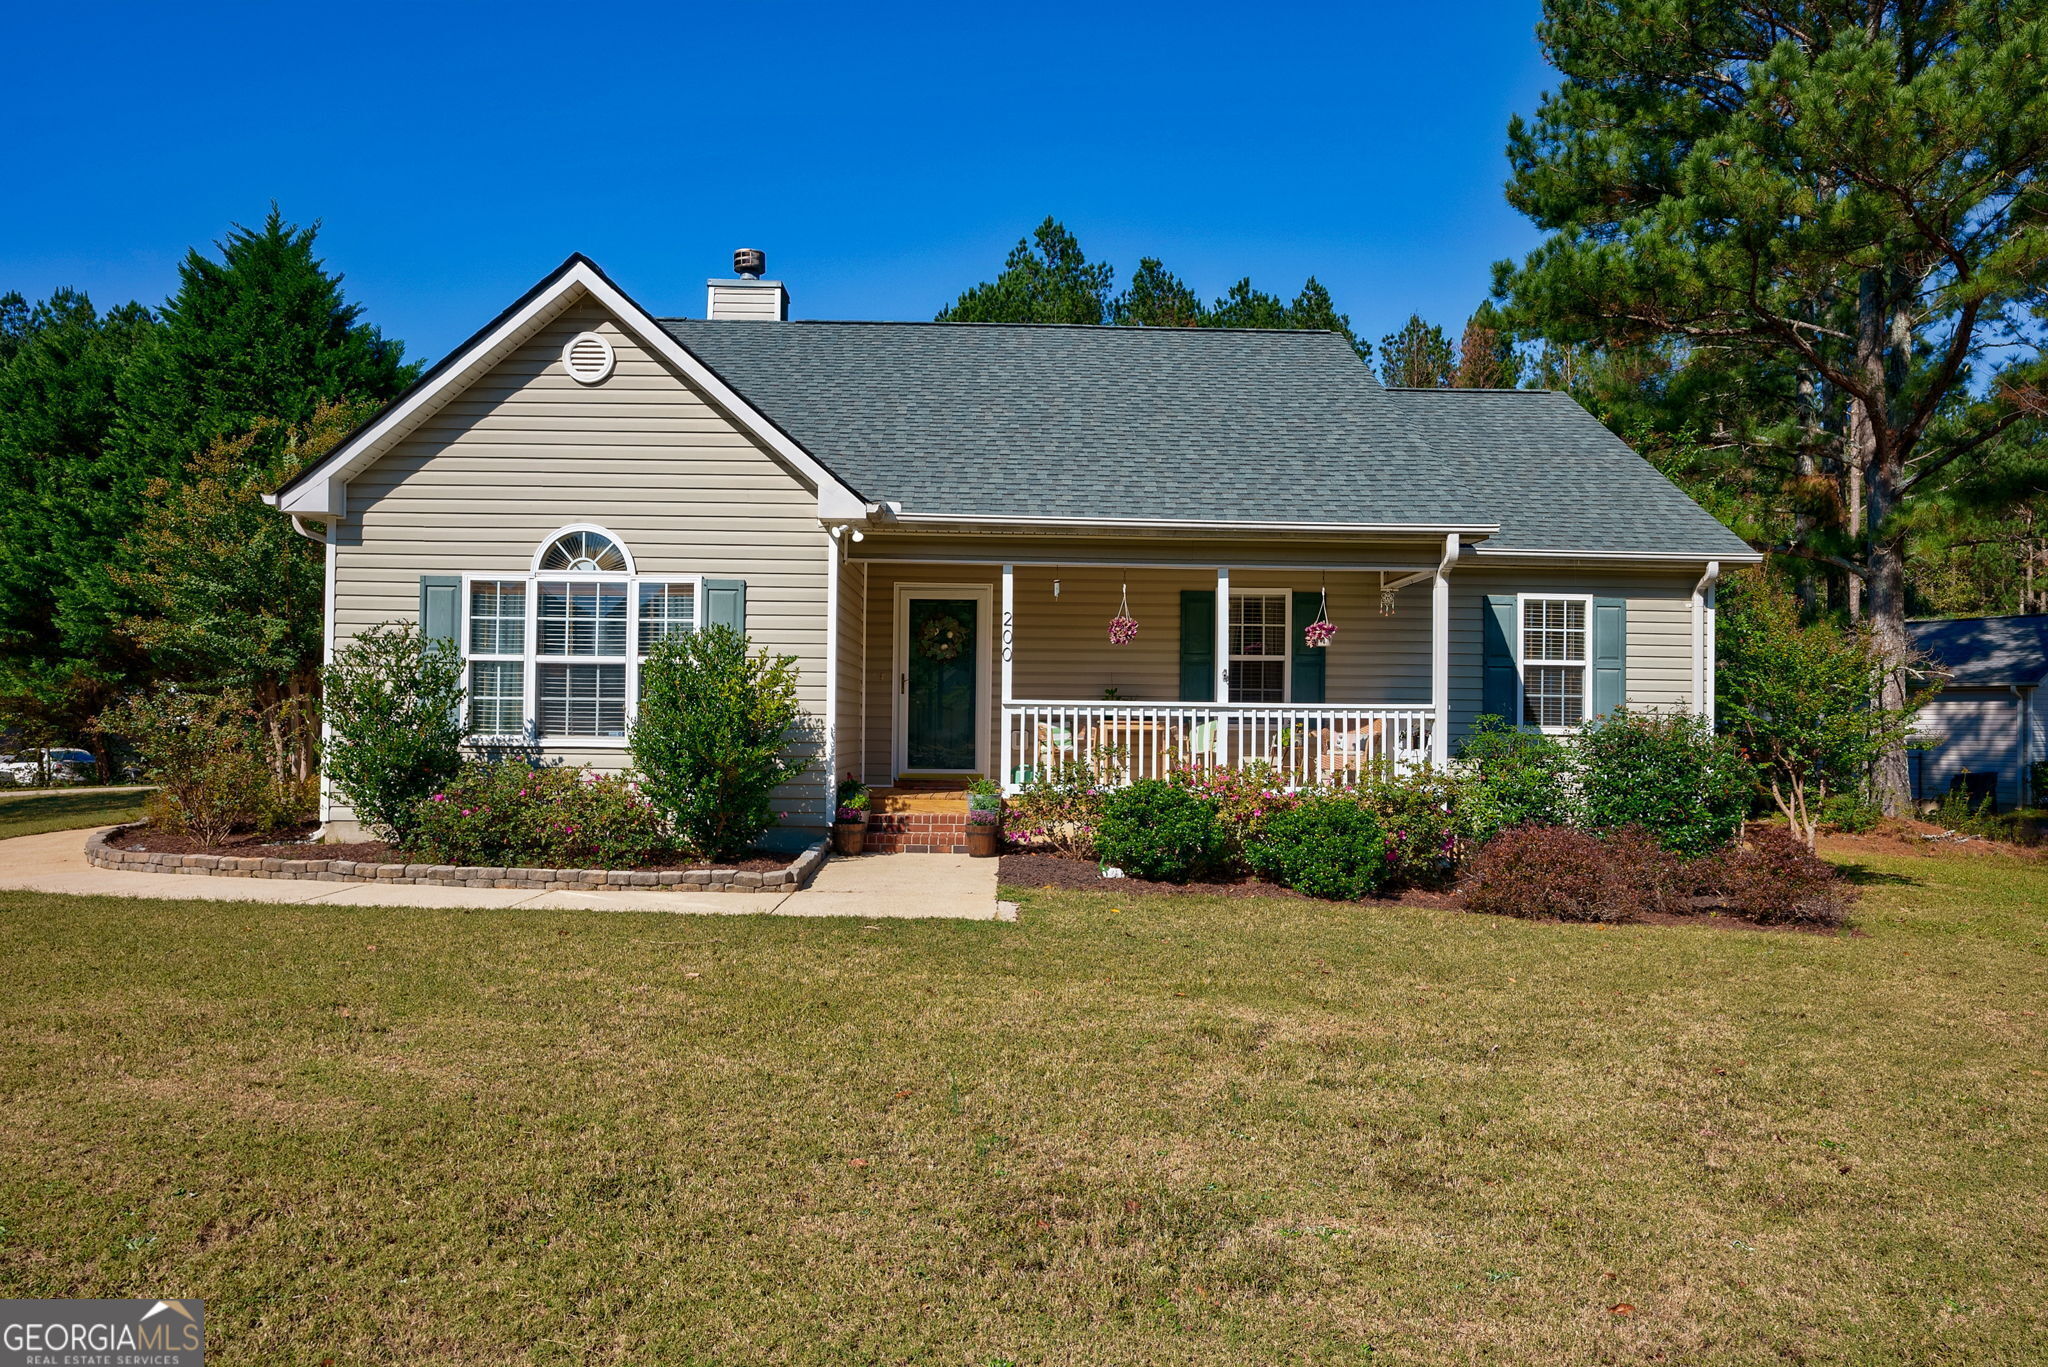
[[35, 813], [1175, 1131]]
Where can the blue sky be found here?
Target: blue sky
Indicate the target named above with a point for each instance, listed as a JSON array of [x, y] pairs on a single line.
[[885, 158]]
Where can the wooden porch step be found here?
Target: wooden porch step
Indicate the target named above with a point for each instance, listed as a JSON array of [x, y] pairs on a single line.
[[899, 801]]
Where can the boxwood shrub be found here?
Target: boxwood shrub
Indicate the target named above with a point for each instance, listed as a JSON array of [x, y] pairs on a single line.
[[1670, 775], [1156, 830], [1329, 846]]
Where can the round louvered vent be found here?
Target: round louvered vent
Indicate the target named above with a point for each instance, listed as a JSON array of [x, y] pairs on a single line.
[[588, 358]]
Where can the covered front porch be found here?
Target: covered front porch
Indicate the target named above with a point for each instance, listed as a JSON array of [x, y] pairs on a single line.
[[1003, 665]]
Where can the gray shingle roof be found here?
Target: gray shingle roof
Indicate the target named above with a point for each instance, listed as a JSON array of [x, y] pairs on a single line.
[[1986, 652], [1212, 425]]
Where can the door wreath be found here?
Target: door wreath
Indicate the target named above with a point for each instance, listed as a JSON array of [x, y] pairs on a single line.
[[943, 638]]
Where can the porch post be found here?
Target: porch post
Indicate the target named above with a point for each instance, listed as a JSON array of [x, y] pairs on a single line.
[[1440, 655], [1009, 641], [1222, 662]]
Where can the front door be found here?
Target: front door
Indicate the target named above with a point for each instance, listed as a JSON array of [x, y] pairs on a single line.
[[941, 684]]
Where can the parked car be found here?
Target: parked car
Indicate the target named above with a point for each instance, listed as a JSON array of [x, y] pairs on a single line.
[[61, 765]]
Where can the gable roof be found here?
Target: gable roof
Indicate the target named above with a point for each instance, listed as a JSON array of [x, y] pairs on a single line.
[[976, 420], [1986, 652]]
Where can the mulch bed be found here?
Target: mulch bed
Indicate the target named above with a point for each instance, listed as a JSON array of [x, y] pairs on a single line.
[[293, 844], [1066, 874]]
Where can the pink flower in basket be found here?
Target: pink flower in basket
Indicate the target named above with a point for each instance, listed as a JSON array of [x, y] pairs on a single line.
[[1122, 631], [1319, 633]]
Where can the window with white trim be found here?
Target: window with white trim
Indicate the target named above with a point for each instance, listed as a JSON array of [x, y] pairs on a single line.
[[1258, 647], [1554, 660], [555, 654]]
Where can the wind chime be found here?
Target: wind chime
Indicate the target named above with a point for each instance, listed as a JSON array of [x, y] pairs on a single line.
[[1386, 597], [1123, 628], [1319, 632]]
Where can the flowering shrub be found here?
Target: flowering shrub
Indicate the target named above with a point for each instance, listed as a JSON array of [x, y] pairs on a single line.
[[515, 815], [1330, 845], [1244, 798], [1423, 814], [1061, 802], [1154, 829]]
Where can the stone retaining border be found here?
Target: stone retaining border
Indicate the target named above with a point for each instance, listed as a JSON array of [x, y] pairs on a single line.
[[103, 855]]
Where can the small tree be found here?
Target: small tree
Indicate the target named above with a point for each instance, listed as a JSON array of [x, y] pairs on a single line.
[[719, 731], [1670, 775], [394, 716], [1800, 700]]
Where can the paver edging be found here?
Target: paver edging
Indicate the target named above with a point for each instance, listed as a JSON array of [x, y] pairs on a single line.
[[101, 854]]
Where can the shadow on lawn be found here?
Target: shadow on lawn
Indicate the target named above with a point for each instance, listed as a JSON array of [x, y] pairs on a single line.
[[1863, 876]]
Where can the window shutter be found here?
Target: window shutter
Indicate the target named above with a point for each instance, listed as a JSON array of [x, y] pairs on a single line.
[[1308, 660], [725, 604], [441, 609], [1502, 696], [1610, 654], [1198, 645]]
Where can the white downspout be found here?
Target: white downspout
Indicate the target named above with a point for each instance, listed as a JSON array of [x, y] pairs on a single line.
[[1440, 655], [1703, 642]]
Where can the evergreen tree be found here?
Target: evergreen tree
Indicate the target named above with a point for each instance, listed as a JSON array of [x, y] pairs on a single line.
[[264, 333], [1313, 308], [1419, 356], [1157, 298], [1047, 278], [66, 500], [1849, 194], [1487, 358]]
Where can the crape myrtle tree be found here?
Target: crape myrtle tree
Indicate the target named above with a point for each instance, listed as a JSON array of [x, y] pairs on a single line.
[[1848, 195]]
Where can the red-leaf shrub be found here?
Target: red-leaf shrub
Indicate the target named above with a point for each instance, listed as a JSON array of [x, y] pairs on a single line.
[[1773, 879], [1564, 874]]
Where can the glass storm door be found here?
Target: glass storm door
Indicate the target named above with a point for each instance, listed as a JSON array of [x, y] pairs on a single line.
[[939, 708]]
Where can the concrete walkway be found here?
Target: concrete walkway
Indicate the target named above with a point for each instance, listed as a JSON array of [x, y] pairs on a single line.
[[870, 886]]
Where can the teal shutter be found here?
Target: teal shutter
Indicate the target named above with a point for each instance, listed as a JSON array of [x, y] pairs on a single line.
[[1502, 695], [441, 609], [725, 604], [1308, 660], [1610, 654], [1198, 645]]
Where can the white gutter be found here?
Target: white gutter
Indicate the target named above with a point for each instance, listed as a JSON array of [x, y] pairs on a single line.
[[1196, 524], [1681, 557]]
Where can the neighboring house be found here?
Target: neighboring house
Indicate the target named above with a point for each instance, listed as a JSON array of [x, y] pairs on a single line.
[[1985, 719], [940, 520]]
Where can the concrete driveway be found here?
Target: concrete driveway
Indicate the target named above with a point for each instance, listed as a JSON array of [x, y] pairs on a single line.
[[869, 886]]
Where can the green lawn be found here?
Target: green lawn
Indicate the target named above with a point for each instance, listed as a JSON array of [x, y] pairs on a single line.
[[1174, 1131], [35, 813]]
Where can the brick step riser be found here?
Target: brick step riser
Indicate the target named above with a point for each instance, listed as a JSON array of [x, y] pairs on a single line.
[[917, 833]]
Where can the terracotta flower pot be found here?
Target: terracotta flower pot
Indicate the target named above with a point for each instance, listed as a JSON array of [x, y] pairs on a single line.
[[849, 837], [983, 841]]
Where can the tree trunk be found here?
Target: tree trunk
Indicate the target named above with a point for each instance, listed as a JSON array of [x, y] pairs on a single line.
[[1882, 330]]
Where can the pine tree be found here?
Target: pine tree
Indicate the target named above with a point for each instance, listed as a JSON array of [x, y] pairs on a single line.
[[1851, 195], [263, 333], [1157, 298], [1487, 358], [1417, 357], [1047, 278]]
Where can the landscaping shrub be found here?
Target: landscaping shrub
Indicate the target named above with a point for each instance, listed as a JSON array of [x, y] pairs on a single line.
[[513, 814], [1154, 829], [1060, 804], [1515, 777], [393, 701], [1850, 812], [1327, 845], [1773, 879], [1572, 875], [1670, 775], [719, 731], [1243, 797], [208, 757], [1423, 815]]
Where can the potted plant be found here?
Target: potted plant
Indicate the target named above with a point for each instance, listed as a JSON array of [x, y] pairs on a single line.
[[984, 818], [850, 817]]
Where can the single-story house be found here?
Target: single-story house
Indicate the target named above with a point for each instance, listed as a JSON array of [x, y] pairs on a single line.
[[941, 520], [1984, 718]]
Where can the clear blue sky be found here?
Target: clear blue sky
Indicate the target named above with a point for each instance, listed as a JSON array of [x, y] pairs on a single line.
[[885, 158]]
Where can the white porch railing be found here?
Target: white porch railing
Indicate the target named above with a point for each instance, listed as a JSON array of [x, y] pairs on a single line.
[[1306, 743]]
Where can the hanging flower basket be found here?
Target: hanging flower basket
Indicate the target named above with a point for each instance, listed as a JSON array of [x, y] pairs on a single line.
[[1123, 628], [1318, 634]]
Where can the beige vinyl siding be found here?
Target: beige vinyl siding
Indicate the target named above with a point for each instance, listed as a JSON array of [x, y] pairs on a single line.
[[526, 450], [1979, 730], [853, 653], [1659, 659]]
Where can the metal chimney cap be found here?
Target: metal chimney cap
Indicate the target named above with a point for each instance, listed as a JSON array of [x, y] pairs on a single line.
[[749, 262]]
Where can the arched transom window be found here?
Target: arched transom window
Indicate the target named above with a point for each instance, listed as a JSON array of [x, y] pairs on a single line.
[[556, 653]]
